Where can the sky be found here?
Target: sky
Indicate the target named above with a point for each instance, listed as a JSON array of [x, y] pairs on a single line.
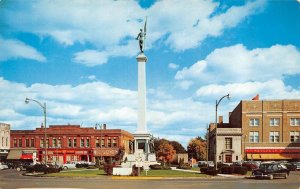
[[79, 57]]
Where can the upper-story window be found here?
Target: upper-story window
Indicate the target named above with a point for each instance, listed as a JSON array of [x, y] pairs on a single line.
[[253, 136], [274, 136], [274, 121], [87, 142], [54, 142], [295, 136], [69, 142], [97, 143], [32, 143], [102, 143], [15, 142], [82, 142], [295, 121], [59, 143], [27, 142], [42, 143], [114, 144], [254, 122], [109, 143], [75, 142], [228, 143], [20, 143]]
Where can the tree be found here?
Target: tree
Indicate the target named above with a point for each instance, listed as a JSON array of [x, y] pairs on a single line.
[[166, 152], [178, 147], [197, 149]]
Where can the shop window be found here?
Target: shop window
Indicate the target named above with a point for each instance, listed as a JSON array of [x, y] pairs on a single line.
[[254, 122], [274, 136], [27, 143], [295, 136], [274, 121], [295, 121]]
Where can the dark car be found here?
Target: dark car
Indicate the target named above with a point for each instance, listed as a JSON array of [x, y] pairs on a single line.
[[290, 166], [271, 170], [297, 164], [41, 168]]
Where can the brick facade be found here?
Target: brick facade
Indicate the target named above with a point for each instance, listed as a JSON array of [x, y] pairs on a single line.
[[70, 142]]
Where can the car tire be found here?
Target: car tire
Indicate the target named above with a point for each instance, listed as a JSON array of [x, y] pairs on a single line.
[[271, 177], [18, 168], [65, 167]]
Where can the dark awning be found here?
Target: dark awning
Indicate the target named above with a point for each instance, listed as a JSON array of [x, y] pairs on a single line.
[[14, 154]]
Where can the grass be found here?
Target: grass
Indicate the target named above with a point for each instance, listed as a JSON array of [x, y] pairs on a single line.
[[171, 173], [79, 173]]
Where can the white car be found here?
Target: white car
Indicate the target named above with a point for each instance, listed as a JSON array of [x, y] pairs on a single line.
[[70, 165], [3, 166]]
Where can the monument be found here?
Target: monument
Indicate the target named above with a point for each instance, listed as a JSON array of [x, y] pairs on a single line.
[[143, 153]]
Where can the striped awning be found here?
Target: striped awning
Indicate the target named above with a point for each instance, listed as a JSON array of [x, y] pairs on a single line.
[[272, 156]]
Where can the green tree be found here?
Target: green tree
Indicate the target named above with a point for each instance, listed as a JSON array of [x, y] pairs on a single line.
[[197, 149]]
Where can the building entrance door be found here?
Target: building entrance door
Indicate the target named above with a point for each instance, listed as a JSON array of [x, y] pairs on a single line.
[[228, 158]]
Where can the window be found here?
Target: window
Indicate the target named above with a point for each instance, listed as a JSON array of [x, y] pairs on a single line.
[[87, 142], [97, 143], [54, 142], [75, 142], [47, 143], [254, 122], [109, 143], [59, 143], [114, 142], [274, 136], [7, 141], [228, 143], [15, 142], [27, 143], [82, 142], [295, 121], [2, 143], [274, 121], [69, 142], [32, 143], [20, 142], [42, 143], [253, 137], [102, 143], [295, 136]]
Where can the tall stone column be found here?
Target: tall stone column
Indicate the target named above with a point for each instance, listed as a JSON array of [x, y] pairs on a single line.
[[142, 119]]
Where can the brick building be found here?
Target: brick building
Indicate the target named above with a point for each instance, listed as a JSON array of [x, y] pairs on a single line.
[[68, 143], [4, 140], [270, 129]]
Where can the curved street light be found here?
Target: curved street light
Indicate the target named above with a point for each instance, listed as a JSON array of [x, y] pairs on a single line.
[[45, 115], [217, 104]]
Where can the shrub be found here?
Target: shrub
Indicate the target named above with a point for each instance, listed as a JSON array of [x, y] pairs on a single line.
[[212, 171], [159, 167], [227, 170], [108, 168], [184, 166], [240, 170]]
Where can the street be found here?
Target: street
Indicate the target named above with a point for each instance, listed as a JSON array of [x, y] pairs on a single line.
[[11, 179]]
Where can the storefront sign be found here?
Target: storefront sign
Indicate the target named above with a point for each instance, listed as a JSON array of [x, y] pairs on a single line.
[[105, 152]]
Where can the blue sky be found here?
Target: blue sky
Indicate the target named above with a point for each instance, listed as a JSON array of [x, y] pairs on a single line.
[[79, 58]]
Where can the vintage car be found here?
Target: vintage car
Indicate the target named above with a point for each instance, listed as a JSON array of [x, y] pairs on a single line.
[[271, 170], [41, 168]]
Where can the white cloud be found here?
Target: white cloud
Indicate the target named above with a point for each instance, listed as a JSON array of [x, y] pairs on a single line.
[[13, 49], [185, 25], [173, 66], [238, 64]]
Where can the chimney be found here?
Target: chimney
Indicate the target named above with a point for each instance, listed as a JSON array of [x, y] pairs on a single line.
[[220, 119], [42, 125], [104, 126]]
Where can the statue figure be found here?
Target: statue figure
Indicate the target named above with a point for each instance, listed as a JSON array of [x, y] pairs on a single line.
[[141, 37]]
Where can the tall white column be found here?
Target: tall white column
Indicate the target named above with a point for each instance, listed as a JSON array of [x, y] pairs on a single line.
[[142, 124]]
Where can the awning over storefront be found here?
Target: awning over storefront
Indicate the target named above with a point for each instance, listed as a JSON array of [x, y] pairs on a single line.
[[14, 154], [272, 156]]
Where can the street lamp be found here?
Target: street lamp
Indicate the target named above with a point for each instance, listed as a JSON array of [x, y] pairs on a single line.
[[45, 115], [217, 104]]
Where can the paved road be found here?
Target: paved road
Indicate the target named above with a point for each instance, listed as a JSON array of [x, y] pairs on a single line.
[[10, 179]]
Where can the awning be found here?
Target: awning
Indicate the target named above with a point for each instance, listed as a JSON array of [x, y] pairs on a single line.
[[273, 156], [14, 154]]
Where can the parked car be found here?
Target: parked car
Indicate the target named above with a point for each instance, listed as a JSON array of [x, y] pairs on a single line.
[[69, 165], [42, 168], [251, 165], [297, 164], [205, 164], [3, 166], [271, 170], [289, 166]]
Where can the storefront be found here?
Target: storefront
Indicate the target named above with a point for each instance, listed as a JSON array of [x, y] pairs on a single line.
[[273, 153]]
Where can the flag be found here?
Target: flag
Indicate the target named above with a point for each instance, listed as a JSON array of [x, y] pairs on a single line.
[[256, 97]]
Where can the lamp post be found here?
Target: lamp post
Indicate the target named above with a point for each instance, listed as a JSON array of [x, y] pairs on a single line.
[[45, 115], [217, 104]]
